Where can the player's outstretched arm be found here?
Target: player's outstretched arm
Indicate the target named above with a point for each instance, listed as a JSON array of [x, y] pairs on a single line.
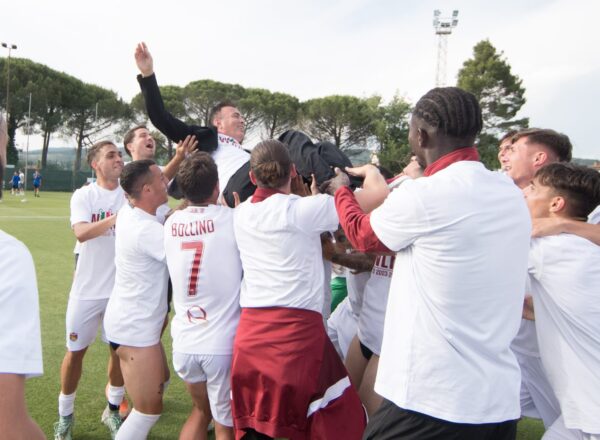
[[85, 231], [165, 122], [556, 225], [15, 422], [375, 189]]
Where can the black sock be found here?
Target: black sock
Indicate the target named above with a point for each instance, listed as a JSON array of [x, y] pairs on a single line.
[[113, 407]]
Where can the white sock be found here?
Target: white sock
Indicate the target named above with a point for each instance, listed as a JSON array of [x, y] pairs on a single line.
[[66, 404], [137, 426], [115, 395]]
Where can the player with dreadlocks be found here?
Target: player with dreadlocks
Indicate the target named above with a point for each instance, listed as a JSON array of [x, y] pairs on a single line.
[[446, 369]]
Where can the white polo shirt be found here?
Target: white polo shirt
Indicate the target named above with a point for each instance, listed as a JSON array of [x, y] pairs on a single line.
[[565, 278], [21, 343], [456, 296], [280, 250], [137, 307], [206, 274], [95, 271]]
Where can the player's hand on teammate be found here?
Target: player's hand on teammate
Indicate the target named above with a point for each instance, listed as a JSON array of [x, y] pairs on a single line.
[[332, 185], [542, 227], [186, 146], [143, 59]]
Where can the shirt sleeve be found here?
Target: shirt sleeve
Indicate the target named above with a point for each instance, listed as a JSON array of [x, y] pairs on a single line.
[[80, 208], [173, 128], [314, 213], [402, 218], [356, 224], [152, 241]]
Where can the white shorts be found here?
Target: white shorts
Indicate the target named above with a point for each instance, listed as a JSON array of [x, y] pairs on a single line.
[[558, 431], [83, 319], [342, 327], [215, 370], [537, 397]]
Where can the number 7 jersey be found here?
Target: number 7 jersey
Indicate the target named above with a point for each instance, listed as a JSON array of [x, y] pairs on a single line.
[[206, 274]]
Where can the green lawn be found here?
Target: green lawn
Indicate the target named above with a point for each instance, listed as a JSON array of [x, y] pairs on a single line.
[[43, 225]]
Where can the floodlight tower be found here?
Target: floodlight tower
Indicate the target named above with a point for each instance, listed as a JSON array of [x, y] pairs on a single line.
[[443, 27]]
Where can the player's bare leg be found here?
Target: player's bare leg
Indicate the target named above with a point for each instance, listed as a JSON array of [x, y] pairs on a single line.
[[355, 363], [370, 399], [143, 371], [70, 371], [196, 425]]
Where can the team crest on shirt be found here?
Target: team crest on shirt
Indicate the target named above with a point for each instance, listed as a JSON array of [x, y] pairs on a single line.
[[196, 315], [73, 336]]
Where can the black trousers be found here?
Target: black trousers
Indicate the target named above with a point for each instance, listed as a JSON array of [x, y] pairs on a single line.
[[393, 422]]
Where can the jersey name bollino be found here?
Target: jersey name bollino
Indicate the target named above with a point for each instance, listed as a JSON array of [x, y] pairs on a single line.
[[192, 228]]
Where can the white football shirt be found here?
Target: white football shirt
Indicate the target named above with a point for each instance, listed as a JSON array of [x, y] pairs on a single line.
[[229, 157], [565, 279], [21, 343], [456, 297], [95, 271], [280, 249], [137, 307], [206, 274]]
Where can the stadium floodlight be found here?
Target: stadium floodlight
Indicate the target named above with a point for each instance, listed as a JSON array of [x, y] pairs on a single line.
[[10, 47], [443, 27]]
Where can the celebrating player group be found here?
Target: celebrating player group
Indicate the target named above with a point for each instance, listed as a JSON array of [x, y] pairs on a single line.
[[473, 296]]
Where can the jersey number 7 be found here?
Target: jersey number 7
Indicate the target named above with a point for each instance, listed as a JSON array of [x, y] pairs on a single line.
[[198, 248]]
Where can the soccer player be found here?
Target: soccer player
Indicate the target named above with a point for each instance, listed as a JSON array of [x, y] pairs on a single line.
[[206, 272], [503, 146], [136, 310], [21, 343], [15, 184], [565, 284], [93, 214], [446, 369], [37, 183], [287, 379]]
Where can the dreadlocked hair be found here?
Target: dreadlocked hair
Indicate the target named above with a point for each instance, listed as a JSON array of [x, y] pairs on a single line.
[[270, 163], [450, 110]]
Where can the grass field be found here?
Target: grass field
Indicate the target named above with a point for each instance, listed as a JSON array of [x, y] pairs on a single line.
[[43, 225]]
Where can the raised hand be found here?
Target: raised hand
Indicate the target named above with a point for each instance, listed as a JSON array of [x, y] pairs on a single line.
[[186, 146], [144, 60]]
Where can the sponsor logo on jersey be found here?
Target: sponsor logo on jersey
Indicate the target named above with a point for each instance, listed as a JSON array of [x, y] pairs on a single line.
[[73, 336], [196, 315]]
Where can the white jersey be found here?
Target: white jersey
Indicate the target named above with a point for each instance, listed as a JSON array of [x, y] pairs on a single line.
[[594, 217], [280, 248], [565, 278], [95, 271], [206, 274], [372, 314], [229, 157], [137, 307], [21, 342], [451, 312]]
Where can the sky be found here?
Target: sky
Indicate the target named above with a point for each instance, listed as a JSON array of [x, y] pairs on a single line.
[[316, 48]]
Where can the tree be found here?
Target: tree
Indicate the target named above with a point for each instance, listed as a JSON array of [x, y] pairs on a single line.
[[201, 96], [347, 121], [96, 110], [500, 93], [391, 132], [271, 113]]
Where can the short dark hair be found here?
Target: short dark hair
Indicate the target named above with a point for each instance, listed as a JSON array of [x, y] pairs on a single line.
[[95, 149], [130, 135], [450, 110], [197, 177], [214, 112], [135, 175], [558, 143], [579, 185], [270, 163]]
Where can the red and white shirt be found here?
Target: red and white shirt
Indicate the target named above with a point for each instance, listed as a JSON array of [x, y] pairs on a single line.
[[206, 274]]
